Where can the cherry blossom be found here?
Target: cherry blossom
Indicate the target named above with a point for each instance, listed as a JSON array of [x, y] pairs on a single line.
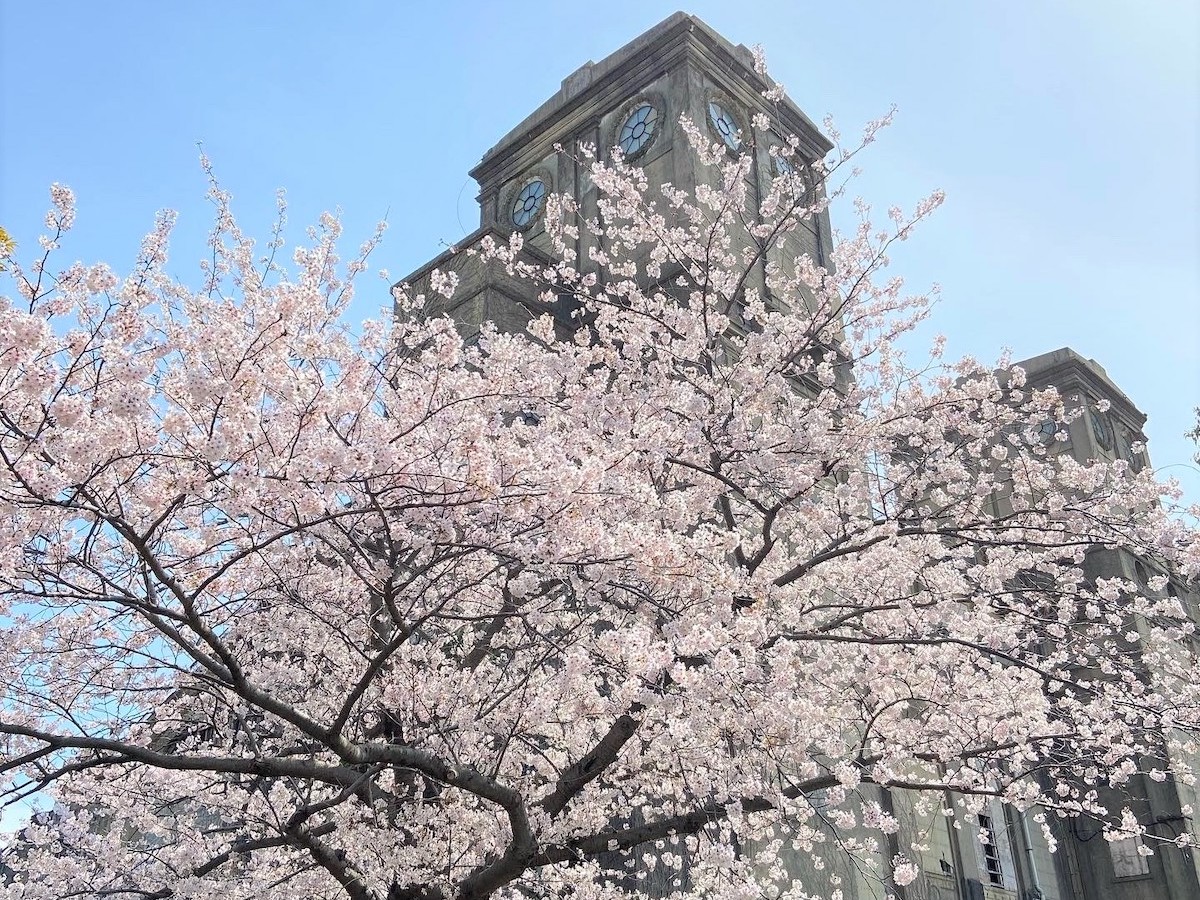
[[671, 600]]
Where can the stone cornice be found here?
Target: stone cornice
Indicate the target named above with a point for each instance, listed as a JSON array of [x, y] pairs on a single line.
[[1072, 373], [500, 235], [678, 38]]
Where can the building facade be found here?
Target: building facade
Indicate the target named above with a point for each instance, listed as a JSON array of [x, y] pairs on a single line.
[[633, 100]]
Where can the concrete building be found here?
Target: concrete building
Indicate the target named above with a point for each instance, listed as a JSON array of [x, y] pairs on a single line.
[[634, 99], [1088, 866]]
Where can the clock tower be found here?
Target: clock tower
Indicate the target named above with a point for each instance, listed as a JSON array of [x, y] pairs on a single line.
[[631, 102]]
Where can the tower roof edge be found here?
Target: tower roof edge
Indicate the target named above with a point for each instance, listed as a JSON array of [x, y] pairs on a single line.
[[1067, 369], [678, 28]]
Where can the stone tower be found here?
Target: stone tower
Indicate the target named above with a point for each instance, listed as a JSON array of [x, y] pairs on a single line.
[[633, 99], [1109, 428]]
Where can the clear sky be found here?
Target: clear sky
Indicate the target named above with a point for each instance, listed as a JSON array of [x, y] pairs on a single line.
[[1064, 133]]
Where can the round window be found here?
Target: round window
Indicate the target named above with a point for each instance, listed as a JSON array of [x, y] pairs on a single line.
[[725, 125], [638, 130], [1101, 429], [528, 203]]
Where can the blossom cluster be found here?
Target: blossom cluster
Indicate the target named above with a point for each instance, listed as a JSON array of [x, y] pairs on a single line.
[[293, 613]]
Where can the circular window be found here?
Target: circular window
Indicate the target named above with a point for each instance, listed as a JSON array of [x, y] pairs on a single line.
[[1101, 429], [783, 165], [525, 208], [725, 125], [638, 130], [1047, 430], [1127, 440]]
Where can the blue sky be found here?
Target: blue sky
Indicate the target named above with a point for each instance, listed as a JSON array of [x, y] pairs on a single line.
[[1065, 136]]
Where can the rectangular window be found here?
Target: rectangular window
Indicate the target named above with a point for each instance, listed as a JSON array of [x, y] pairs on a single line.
[[991, 851], [1127, 858]]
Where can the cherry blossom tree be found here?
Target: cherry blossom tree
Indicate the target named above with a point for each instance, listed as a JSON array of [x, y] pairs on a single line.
[[687, 590]]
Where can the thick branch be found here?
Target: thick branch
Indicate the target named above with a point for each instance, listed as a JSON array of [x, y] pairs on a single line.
[[268, 766], [577, 776]]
